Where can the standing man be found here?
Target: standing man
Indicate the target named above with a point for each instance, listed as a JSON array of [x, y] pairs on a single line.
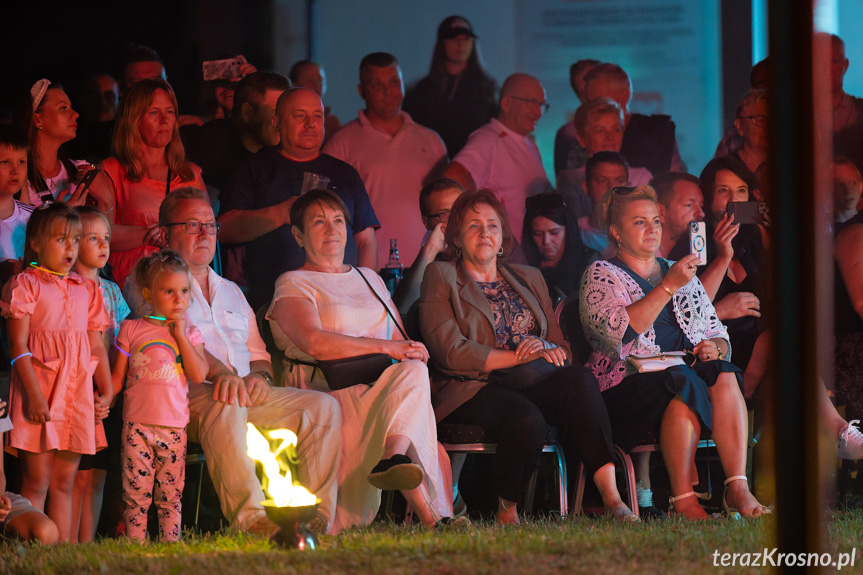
[[256, 208], [847, 110], [568, 152], [241, 376], [394, 155], [501, 156]]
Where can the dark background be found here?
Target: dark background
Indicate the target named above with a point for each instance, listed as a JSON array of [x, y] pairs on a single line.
[[65, 42]]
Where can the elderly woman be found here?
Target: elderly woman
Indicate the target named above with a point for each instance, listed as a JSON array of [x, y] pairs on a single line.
[[50, 122], [599, 125], [636, 304], [149, 161], [481, 317], [330, 310]]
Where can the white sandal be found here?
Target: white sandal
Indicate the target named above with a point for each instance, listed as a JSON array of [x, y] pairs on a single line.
[[671, 501], [746, 513]]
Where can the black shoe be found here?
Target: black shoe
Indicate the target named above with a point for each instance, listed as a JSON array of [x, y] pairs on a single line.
[[396, 473], [651, 513]]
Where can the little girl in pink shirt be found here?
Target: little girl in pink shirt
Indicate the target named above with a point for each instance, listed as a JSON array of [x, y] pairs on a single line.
[[156, 355], [55, 323]]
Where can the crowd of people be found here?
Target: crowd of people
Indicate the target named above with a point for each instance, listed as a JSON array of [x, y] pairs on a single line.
[[124, 343]]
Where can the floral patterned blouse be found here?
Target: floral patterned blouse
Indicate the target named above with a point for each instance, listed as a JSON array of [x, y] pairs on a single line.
[[513, 320]]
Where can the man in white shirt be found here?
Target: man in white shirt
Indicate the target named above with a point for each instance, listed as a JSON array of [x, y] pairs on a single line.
[[501, 156], [241, 376], [394, 155]]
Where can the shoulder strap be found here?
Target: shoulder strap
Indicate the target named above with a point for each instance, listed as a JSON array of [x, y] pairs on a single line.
[[386, 307]]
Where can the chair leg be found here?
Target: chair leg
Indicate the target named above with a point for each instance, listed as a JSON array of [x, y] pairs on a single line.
[[531, 490], [198, 499], [579, 490], [562, 480], [629, 475]]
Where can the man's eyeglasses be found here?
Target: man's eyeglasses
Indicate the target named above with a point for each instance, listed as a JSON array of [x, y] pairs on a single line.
[[442, 216], [760, 120], [543, 105], [194, 228]]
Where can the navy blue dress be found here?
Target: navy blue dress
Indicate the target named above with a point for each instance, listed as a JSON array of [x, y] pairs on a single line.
[[636, 405]]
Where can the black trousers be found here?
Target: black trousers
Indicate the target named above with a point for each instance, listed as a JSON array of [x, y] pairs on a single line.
[[518, 421]]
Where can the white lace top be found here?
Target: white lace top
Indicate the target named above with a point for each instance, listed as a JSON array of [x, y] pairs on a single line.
[[606, 290]]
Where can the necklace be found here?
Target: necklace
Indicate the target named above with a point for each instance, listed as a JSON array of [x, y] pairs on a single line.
[[38, 267], [156, 317], [656, 275]]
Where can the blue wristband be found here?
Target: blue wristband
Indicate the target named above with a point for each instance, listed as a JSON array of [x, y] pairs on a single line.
[[11, 363]]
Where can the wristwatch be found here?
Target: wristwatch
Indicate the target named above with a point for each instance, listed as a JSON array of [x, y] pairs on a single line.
[[266, 375]]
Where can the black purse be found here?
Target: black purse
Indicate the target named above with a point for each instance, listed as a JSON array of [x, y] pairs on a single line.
[[523, 376], [360, 369]]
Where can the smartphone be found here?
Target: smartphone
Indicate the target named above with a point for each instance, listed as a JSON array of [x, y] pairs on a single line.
[[747, 212], [698, 241], [228, 69], [88, 178]]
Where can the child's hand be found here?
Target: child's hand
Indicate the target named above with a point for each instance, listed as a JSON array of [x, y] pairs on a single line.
[[101, 407], [5, 507], [2, 408], [177, 327], [36, 409]]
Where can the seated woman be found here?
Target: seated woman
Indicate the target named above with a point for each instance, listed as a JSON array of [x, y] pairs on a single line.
[[326, 310], [638, 304], [480, 316], [554, 245], [148, 162]]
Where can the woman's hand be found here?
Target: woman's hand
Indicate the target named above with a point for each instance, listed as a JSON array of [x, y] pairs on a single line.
[[738, 304], [707, 350], [2, 408], [531, 348], [403, 350], [36, 408], [681, 272], [725, 232]]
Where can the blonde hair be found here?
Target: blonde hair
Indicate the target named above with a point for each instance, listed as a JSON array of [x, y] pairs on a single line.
[[127, 137], [41, 224], [614, 204], [593, 109]]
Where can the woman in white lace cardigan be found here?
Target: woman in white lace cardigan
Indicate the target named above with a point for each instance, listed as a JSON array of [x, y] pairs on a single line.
[[638, 304]]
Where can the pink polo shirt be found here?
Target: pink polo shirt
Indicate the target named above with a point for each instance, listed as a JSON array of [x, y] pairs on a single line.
[[394, 168]]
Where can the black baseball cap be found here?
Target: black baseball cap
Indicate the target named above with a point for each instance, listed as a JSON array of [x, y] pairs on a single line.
[[454, 26]]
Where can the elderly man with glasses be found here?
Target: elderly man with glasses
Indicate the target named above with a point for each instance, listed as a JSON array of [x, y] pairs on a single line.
[[501, 156], [240, 378]]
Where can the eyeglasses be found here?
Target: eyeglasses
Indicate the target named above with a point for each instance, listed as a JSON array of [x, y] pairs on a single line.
[[544, 105], [194, 228], [760, 120], [442, 215]]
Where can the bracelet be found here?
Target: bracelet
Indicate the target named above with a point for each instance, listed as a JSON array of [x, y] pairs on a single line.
[[266, 375], [11, 363], [665, 287]]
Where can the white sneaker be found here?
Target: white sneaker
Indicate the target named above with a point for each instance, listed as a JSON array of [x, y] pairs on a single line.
[[849, 444]]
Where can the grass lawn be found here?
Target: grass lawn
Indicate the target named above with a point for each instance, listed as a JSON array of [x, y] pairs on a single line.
[[542, 546]]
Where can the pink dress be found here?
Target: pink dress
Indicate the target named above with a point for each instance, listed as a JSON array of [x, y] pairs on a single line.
[[62, 310], [137, 204]]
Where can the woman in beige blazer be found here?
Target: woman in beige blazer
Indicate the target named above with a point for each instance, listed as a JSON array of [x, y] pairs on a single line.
[[480, 318]]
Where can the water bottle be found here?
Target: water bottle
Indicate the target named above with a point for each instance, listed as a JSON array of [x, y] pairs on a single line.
[[394, 270]]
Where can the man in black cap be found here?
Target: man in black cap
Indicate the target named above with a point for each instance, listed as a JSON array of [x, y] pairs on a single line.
[[457, 96]]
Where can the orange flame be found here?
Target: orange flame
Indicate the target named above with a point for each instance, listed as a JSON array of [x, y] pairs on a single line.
[[279, 486]]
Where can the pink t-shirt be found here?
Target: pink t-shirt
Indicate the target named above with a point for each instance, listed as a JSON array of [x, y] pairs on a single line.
[[156, 387]]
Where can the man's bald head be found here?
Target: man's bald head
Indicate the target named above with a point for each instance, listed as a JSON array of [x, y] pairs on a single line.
[[522, 102], [300, 123]]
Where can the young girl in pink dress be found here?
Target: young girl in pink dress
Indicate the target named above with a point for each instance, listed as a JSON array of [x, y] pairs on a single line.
[[55, 322], [156, 355]]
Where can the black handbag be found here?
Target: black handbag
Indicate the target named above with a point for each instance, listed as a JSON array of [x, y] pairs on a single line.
[[523, 376], [360, 369]]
